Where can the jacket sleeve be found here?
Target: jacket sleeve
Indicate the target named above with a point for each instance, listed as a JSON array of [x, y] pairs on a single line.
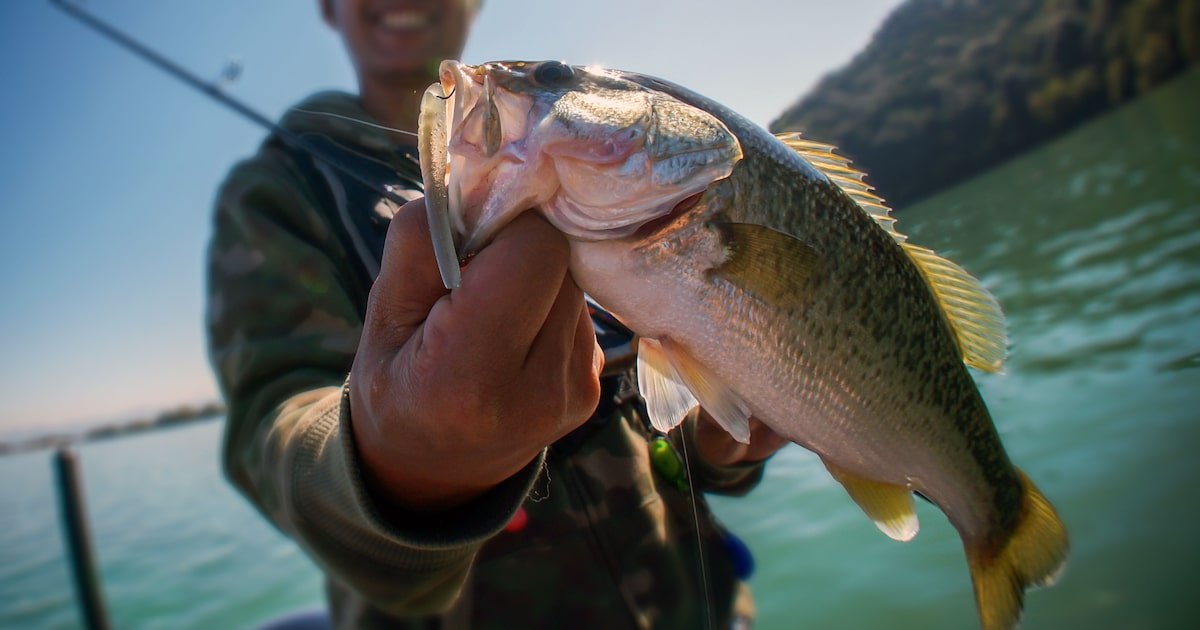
[[284, 319]]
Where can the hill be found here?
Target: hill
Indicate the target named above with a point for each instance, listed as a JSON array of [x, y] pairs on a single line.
[[949, 88]]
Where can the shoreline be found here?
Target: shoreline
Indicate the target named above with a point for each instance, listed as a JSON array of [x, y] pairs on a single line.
[[109, 430]]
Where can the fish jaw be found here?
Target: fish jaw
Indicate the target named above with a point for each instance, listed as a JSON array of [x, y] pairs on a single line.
[[598, 162]]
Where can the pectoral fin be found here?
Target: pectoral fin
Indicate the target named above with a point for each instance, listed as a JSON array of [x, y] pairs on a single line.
[[889, 506], [775, 267]]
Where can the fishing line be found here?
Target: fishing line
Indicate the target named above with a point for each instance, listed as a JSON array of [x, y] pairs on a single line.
[[352, 119], [687, 464], [534, 495]]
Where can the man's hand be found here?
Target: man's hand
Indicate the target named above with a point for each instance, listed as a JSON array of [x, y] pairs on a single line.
[[452, 393]]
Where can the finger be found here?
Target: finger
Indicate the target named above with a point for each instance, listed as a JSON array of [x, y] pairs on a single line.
[[547, 368], [585, 342], [552, 346], [565, 361], [587, 364], [510, 287], [714, 443], [409, 283], [764, 441]]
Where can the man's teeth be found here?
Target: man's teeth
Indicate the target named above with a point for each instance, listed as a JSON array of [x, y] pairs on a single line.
[[405, 19]]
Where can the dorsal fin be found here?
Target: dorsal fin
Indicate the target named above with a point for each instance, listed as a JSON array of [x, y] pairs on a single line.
[[974, 315], [849, 179]]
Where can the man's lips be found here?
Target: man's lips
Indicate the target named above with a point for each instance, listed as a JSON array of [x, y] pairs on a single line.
[[404, 20]]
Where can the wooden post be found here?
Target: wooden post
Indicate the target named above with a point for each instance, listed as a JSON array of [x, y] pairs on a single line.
[[81, 554]]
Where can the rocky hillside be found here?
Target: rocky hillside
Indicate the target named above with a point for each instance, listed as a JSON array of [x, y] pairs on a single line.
[[949, 88]]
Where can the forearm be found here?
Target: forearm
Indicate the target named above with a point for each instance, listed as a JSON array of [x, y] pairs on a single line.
[[300, 469], [404, 566]]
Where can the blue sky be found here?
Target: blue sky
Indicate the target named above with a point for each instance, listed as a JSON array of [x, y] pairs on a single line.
[[108, 167]]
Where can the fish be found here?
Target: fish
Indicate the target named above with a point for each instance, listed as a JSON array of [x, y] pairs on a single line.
[[764, 279]]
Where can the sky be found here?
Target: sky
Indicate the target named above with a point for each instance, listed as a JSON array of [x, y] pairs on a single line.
[[108, 167]]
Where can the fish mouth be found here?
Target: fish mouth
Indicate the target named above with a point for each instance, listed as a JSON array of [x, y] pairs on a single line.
[[441, 116], [599, 158], [492, 173], [454, 73]]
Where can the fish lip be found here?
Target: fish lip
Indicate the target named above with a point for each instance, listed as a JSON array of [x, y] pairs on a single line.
[[452, 73]]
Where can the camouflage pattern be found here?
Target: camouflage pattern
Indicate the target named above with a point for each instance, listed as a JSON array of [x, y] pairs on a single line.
[[608, 542]]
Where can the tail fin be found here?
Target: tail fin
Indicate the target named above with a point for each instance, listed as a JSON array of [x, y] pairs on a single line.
[[1034, 555]]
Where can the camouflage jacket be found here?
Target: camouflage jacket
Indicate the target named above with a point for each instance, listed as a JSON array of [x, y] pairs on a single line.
[[601, 538]]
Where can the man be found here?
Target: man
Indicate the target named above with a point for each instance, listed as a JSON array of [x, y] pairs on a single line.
[[473, 469]]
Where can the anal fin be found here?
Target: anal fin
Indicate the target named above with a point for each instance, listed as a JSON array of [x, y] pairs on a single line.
[[889, 506]]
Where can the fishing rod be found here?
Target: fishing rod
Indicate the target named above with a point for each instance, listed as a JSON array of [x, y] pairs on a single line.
[[320, 148]]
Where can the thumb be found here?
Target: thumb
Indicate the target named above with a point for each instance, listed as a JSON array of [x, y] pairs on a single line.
[[409, 283]]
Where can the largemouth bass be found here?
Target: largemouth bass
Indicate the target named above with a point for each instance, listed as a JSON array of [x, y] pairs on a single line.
[[764, 280]]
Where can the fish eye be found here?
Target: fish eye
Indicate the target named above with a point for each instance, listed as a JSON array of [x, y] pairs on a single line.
[[552, 73]]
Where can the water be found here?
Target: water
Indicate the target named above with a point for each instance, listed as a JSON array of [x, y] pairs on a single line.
[[1092, 244], [178, 547]]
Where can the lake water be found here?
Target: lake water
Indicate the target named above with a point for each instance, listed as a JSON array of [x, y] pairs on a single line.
[[1092, 245]]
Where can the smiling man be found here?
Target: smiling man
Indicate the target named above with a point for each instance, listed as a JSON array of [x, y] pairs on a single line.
[[449, 460]]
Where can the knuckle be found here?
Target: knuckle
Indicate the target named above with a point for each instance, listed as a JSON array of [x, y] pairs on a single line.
[[583, 395], [407, 221], [434, 347], [588, 389]]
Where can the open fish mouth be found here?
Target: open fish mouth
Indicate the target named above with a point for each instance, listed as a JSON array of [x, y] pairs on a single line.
[[492, 165], [597, 154], [443, 108], [461, 134]]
